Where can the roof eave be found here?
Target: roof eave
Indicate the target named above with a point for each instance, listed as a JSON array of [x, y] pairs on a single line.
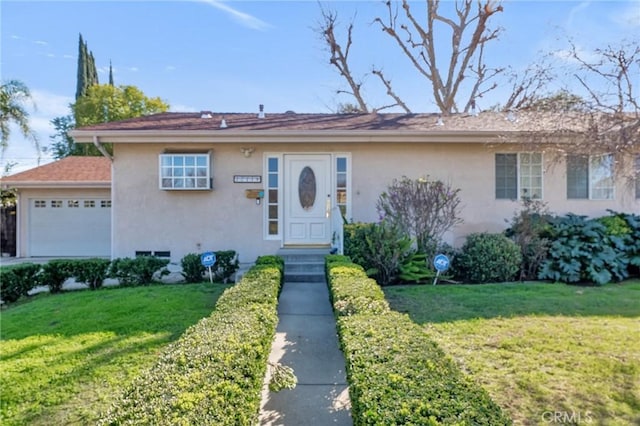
[[55, 185], [289, 136]]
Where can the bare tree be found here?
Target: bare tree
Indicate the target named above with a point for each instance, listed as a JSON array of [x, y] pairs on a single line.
[[339, 59], [614, 111], [601, 113], [469, 34], [595, 112], [454, 86], [528, 87]]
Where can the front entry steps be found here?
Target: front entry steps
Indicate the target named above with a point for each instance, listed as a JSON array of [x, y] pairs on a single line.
[[304, 264]]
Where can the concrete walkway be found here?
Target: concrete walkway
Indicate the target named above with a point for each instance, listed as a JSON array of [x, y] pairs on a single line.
[[306, 341]]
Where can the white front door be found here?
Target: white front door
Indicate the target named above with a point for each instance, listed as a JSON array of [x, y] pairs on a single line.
[[307, 182]]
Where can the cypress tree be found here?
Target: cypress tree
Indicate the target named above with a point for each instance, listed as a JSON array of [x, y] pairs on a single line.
[[87, 72], [92, 71], [110, 74], [82, 69]]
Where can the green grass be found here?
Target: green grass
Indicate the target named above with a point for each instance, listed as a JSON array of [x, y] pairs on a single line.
[[542, 351], [63, 357]]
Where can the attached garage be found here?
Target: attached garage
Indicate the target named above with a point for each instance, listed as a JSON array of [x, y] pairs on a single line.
[[64, 208], [69, 227]]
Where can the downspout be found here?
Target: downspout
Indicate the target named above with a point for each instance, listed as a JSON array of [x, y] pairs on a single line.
[[101, 148], [104, 152]]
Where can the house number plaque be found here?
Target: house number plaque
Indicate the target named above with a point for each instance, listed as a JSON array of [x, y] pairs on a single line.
[[247, 179]]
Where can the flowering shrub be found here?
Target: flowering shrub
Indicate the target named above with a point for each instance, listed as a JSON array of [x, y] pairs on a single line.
[[424, 209]]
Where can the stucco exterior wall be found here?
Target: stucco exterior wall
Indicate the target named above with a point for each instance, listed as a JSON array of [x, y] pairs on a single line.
[[471, 168], [26, 194], [146, 218]]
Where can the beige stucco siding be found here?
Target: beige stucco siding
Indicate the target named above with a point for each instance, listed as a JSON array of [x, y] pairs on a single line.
[[146, 218], [471, 168]]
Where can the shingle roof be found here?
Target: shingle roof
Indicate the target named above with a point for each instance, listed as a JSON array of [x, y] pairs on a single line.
[[209, 121], [69, 171]]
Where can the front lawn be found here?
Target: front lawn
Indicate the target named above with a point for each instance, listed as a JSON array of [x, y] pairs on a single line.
[[63, 357], [545, 352]]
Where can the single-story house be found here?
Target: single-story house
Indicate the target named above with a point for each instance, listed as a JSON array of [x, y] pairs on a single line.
[[64, 208], [255, 183]]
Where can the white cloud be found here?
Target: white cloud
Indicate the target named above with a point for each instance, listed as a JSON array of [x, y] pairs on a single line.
[[22, 151], [628, 17], [49, 104], [241, 17], [182, 108], [568, 57], [575, 12], [169, 68], [41, 43]]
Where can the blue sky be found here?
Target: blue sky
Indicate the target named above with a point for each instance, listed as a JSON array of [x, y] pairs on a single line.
[[231, 56]]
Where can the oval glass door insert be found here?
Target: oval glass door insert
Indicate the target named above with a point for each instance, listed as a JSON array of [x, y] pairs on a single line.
[[307, 188]]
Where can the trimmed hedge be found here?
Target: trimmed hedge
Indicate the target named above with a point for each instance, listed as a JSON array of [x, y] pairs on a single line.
[[396, 373], [17, 281], [214, 373], [139, 270]]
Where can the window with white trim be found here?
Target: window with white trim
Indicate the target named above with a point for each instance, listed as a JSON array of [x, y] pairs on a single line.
[[341, 190], [89, 204], [40, 204], [519, 173], [273, 196], [56, 204], [73, 204], [105, 204], [638, 176], [185, 171], [590, 177]]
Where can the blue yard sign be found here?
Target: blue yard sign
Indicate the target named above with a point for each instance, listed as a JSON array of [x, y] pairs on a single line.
[[441, 263], [208, 259]]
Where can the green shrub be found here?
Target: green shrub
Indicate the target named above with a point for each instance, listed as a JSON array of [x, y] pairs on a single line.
[[632, 242], [92, 272], [17, 281], [486, 257], [214, 373], [379, 247], [192, 269], [530, 229], [226, 265], [592, 250], [54, 273], [137, 271], [397, 374], [615, 225], [271, 260], [417, 269], [337, 258]]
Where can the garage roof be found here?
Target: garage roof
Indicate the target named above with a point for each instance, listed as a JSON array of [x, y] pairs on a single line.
[[69, 172]]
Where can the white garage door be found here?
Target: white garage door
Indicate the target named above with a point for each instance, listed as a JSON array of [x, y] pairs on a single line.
[[69, 227]]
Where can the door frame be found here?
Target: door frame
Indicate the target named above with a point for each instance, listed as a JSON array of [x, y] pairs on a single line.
[[269, 175], [321, 220]]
